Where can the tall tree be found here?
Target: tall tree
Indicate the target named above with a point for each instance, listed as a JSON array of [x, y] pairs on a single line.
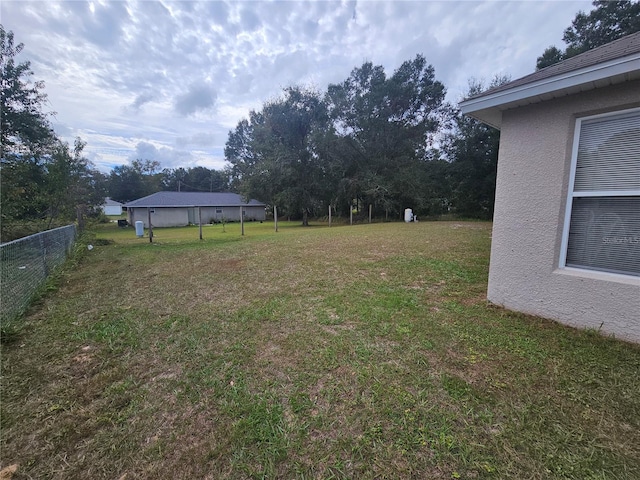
[[195, 179], [130, 182], [24, 127], [71, 184], [472, 148], [44, 181], [386, 125], [274, 156], [608, 21], [25, 134]]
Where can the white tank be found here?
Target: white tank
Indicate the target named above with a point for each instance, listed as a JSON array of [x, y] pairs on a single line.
[[408, 215], [140, 229]]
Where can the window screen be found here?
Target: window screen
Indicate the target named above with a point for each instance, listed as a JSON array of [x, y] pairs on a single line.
[[604, 206]]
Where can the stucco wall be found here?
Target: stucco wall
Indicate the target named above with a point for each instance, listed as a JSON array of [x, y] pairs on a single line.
[[178, 217], [112, 209], [531, 192], [231, 214], [161, 217]]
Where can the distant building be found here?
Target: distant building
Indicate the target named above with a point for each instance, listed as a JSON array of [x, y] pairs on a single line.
[[176, 209], [111, 207]]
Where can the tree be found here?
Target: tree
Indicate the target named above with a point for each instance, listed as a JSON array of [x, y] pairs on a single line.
[[26, 138], [24, 127], [25, 134], [43, 180], [385, 126], [472, 148], [609, 21], [71, 184], [130, 182], [274, 155], [195, 179], [551, 56]]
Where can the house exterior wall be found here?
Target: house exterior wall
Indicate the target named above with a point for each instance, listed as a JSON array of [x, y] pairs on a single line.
[[161, 217], [255, 213], [112, 209], [179, 216], [230, 214], [534, 165]]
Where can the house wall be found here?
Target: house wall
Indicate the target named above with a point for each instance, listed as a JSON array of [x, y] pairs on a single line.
[[534, 164], [255, 213], [161, 217], [112, 209], [178, 217], [231, 214]]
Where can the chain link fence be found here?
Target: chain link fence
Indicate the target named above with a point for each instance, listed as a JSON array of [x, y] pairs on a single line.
[[25, 264]]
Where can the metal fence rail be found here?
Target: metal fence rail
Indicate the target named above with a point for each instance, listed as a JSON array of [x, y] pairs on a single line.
[[25, 264]]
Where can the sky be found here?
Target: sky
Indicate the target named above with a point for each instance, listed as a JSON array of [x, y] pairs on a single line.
[[167, 80]]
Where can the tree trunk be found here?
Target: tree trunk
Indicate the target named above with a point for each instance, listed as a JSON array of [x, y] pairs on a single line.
[[305, 218]]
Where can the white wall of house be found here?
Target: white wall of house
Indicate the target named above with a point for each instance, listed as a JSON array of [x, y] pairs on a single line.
[[112, 209], [160, 217], [534, 168], [182, 216]]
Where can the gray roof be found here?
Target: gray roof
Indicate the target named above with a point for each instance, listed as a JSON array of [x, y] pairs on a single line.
[[611, 64], [192, 199], [622, 47], [108, 202]]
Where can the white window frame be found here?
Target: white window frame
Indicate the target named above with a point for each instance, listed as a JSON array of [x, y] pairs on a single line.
[[571, 194]]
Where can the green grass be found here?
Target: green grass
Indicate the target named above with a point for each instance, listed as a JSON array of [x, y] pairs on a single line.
[[344, 352]]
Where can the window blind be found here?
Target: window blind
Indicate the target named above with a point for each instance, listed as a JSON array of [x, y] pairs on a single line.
[[609, 154], [605, 234], [604, 219]]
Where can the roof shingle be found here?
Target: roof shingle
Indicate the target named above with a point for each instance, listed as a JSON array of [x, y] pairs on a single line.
[[192, 199], [622, 47]]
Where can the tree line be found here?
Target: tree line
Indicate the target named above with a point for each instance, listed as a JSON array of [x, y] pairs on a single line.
[[43, 178], [385, 141]]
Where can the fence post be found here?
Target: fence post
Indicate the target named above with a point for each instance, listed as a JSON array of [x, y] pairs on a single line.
[[150, 227], [43, 254], [275, 216]]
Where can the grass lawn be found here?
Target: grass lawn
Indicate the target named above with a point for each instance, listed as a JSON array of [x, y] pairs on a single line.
[[344, 352]]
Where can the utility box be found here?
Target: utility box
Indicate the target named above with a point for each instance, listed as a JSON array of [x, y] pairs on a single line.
[[140, 229], [408, 215]]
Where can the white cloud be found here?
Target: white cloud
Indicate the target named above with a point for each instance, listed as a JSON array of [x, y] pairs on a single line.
[[199, 97], [177, 76]]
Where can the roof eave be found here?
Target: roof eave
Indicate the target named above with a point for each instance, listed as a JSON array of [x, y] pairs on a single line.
[[195, 206], [488, 108]]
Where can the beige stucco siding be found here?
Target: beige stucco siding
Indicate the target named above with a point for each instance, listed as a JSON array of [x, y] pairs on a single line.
[[231, 213], [179, 216], [160, 217], [533, 175]]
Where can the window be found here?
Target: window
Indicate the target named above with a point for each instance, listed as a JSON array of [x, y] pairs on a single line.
[[218, 210], [602, 223]]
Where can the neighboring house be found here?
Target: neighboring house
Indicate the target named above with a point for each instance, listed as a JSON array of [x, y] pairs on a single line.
[[175, 209], [111, 207], [566, 231]]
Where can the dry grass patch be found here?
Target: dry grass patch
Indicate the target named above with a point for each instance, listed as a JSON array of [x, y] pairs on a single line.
[[346, 352]]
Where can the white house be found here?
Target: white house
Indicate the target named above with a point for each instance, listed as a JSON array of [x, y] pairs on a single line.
[[111, 207], [566, 231], [175, 209]]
